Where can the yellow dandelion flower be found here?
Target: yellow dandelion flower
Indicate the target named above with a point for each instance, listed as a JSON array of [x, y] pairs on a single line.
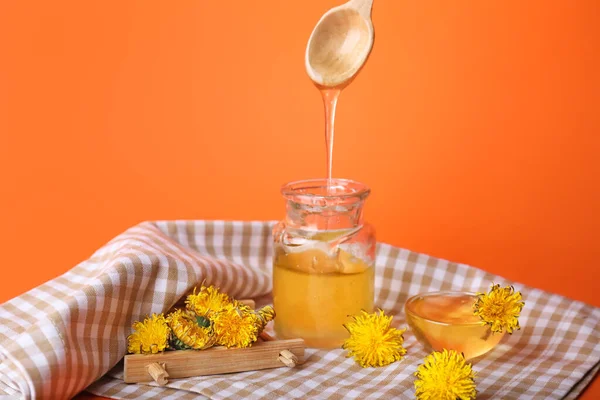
[[207, 301], [150, 336], [500, 308], [190, 331], [235, 328], [445, 375], [372, 342]]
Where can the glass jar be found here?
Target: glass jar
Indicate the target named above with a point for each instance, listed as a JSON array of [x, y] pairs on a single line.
[[323, 262]]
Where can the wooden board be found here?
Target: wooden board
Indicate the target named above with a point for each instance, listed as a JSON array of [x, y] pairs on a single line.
[[216, 360]]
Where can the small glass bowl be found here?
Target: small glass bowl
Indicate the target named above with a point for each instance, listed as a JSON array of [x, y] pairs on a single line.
[[445, 320]]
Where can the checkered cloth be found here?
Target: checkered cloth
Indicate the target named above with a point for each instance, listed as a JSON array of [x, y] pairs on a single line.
[[70, 333]]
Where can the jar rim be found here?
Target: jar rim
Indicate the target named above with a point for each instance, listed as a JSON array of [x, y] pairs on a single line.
[[313, 189]]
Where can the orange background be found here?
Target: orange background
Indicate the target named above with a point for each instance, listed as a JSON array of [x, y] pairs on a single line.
[[477, 125]]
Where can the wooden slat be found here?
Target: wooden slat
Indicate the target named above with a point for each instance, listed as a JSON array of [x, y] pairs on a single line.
[[216, 360]]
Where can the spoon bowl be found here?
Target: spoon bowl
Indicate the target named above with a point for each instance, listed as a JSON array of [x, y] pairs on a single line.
[[340, 43]]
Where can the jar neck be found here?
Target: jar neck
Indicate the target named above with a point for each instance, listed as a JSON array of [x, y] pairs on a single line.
[[302, 216], [321, 205]]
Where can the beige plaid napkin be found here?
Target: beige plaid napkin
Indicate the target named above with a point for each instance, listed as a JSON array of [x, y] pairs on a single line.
[[70, 332]]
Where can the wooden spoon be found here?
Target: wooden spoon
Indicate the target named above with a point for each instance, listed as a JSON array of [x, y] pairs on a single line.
[[340, 43]]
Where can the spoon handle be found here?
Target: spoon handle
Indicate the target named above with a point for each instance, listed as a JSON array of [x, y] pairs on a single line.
[[362, 6]]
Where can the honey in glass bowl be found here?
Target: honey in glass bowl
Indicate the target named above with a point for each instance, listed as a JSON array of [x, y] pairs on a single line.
[[445, 320]]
